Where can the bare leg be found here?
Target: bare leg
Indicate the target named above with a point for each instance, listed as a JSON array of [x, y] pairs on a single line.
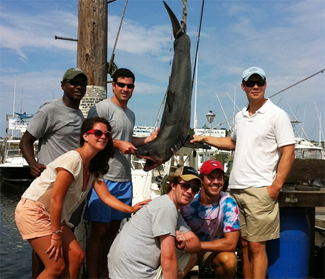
[[37, 265], [100, 240], [95, 244], [112, 232], [73, 254], [69, 265], [53, 269], [191, 263], [246, 258], [259, 259], [225, 264]]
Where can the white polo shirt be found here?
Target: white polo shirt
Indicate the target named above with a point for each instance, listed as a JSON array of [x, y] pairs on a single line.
[[258, 139]]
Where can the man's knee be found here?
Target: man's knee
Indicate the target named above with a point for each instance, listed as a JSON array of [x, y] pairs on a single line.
[[228, 260], [257, 247]]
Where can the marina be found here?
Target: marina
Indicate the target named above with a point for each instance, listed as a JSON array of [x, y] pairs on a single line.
[[303, 195]]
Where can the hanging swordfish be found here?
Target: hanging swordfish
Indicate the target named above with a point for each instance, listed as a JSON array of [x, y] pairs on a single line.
[[175, 123]]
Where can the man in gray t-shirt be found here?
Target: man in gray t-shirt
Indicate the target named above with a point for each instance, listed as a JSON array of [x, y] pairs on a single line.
[[56, 124], [145, 248]]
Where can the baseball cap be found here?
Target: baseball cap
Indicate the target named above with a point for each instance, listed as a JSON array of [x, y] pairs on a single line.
[[253, 71], [210, 165], [72, 73], [187, 173]]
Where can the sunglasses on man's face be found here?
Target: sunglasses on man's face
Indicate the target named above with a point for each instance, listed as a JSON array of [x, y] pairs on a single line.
[[99, 133], [122, 85], [186, 186], [251, 83]]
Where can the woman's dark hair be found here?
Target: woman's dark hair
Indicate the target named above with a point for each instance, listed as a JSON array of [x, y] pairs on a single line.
[[99, 164]]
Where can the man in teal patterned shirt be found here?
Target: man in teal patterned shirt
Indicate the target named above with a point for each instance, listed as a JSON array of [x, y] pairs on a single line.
[[213, 217]]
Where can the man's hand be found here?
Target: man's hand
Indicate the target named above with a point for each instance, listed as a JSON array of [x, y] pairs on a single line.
[[197, 139], [273, 192], [180, 240], [124, 147], [152, 136], [37, 169]]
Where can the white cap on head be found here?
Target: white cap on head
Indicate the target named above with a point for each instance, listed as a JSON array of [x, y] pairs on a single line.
[[253, 71]]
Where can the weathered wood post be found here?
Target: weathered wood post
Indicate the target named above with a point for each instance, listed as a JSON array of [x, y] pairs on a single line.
[[92, 50], [92, 59]]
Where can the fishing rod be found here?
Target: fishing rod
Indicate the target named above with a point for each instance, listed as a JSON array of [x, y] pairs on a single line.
[[321, 71], [197, 43]]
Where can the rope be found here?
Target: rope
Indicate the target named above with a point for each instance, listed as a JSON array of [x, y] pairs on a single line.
[[111, 66], [184, 18]]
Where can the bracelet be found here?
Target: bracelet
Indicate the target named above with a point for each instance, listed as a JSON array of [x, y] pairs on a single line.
[[59, 239], [58, 231]]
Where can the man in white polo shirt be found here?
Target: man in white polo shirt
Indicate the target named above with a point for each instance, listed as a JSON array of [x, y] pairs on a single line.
[[263, 140]]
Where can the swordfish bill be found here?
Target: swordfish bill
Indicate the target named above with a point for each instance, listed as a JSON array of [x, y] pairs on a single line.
[[176, 117]]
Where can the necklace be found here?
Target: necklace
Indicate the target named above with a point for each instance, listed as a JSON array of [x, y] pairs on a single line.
[[207, 213]]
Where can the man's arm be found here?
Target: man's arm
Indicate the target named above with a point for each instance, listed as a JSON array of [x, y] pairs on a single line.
[[136, 141], [188, 242], [168, 259], [284, 167], [27, 148], [225, 143], [226, 244]]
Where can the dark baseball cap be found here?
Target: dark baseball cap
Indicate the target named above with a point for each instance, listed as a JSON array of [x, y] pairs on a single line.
[[72, 73]]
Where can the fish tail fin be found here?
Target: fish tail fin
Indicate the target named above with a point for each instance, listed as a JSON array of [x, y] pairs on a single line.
[[177, 29]]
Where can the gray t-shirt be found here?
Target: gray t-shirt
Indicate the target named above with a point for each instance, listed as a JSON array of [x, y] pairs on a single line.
[[135, 252], [58, 129], [122, 122]]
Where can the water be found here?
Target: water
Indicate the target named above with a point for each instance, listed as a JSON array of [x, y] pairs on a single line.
[[15, 253]]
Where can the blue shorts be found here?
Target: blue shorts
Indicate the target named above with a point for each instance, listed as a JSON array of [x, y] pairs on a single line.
[[97, 211]]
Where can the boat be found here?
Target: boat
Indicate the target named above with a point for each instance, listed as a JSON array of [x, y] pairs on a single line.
[[13, 167], [305, 149]]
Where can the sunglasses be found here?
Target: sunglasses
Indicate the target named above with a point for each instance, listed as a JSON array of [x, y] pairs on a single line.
[[251, 83], [122, 85], [77, 82], [99, 133], [186, 186]]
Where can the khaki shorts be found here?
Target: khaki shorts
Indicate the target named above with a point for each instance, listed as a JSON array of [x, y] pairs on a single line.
[[258, 214], [32, 219]]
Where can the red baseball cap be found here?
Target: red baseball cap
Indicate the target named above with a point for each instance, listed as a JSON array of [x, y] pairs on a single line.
[[210, 165]]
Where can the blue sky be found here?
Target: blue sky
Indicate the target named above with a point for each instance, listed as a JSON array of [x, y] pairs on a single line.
[[285, 38]]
